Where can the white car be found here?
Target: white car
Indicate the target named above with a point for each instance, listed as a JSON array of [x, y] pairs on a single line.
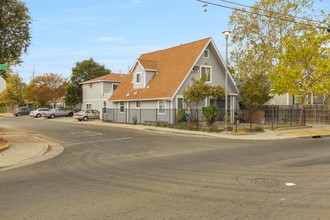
[[57, 112], [85, 115], [38, 112]]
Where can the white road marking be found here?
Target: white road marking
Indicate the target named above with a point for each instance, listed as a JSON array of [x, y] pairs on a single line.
[[99, 141], [290, 184]]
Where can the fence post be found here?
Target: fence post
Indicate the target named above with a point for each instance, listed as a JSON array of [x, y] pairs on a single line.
[[126, 115], [236, 119], [250, 119], [304, 112], [174, 117], [197, 119], [140, 116], [291, 113], [156, 115], [273, 117]]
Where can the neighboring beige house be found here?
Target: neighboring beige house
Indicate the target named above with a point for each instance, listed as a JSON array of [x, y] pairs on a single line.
[[157, 80], [96, 92], [288, 99]]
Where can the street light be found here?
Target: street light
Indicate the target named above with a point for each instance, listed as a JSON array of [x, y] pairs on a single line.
[[226, 33]]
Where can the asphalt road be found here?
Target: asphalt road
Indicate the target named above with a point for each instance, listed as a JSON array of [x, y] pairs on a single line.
[[116, 173]]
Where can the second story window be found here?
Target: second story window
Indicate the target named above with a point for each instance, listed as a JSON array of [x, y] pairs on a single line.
[[114, 87], [207, 72], [138, 78], [206, 53]]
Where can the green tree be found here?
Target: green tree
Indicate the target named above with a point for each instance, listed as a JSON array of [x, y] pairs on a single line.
[[255, 90], [257, 40], [83, 71], [304, 68], [15, 34], [13, 95], [197, 92], [46, 89]]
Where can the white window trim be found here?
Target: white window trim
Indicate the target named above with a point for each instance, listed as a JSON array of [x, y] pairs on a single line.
[[208, 53], [161, 113], [137, 106], [177, 102], [138, 73], [120, 107], [200, 72]]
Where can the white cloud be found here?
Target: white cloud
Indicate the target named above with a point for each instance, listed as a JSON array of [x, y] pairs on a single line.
[[108, 39]]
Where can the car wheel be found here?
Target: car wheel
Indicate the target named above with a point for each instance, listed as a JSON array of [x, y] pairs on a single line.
[[38, 115], [52, 116], [18, 114], [85, 118], [70, 114]]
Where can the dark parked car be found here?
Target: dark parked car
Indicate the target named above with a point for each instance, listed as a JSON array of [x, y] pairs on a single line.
[[21, 111]]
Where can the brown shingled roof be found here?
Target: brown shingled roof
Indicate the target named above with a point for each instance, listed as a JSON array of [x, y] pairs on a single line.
[[172, 65], [113, 77]]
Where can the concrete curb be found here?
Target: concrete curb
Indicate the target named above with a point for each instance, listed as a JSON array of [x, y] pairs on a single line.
[[23, 154]]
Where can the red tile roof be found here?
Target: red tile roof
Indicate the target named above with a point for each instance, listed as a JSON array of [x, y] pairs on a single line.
[[113, 77], [172, 65]]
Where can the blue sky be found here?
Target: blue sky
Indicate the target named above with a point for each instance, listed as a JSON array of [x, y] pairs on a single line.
[[114, 32]]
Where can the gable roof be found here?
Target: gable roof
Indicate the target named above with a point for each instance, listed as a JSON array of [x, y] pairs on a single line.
[[172, 66], [112, 77]]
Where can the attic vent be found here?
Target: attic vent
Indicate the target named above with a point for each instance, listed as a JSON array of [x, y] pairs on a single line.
[[196, 68]]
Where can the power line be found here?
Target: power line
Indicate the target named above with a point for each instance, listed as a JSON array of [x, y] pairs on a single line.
[[260, 14], [265, 10]]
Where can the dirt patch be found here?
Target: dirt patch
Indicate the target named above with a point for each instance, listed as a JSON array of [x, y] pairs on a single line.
[[3, 144], [306, 133]]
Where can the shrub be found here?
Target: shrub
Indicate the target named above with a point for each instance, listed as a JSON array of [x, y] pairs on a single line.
[[181, 116], [134, 119], [210, 113], [257, 129]]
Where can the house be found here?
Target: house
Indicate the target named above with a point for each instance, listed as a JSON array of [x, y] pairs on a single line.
[[287, 99], [157, 79], [96, 92]]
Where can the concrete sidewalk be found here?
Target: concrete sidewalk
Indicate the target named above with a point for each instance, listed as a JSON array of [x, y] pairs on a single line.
[[25, 150], [310, 131]]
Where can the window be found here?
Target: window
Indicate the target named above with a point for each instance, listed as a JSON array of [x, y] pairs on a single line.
[[122, 106], [138, 104], [180, 103], [88, 106], [161, 106], [114, 87], [138, 78], [207, 72], [206, 53]]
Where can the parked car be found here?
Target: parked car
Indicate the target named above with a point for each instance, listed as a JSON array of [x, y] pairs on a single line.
[[21, 111], [37, 113], [85, 115], [57, 112]]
